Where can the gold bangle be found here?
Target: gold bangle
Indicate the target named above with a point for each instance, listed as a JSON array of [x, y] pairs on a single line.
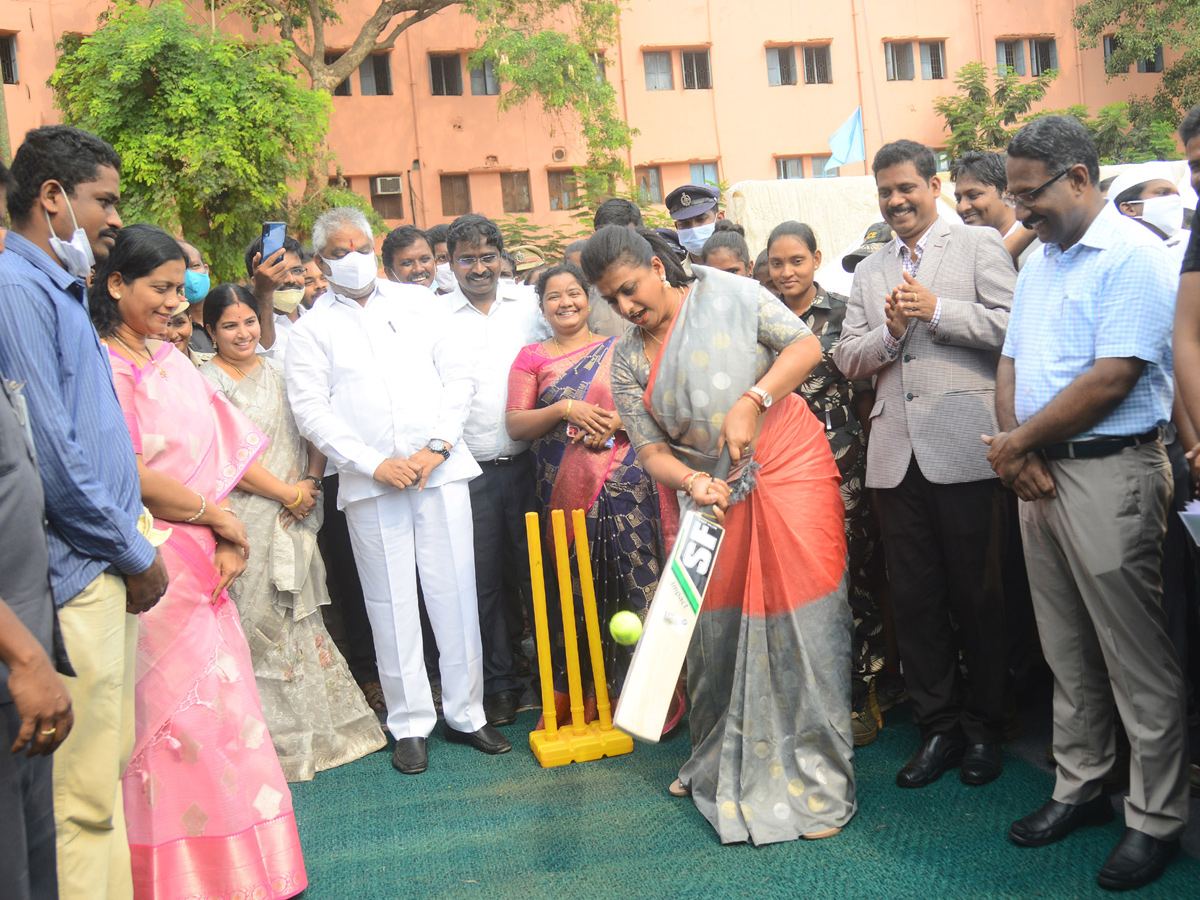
[[299, 500], [568, 413]]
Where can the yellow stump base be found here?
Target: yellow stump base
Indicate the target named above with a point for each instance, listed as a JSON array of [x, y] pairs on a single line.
[[556, 745], [568, 747]]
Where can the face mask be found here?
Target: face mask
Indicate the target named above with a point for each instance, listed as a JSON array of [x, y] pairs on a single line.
[[287, 301], [76, 254], [693, 238], [195, 286], [354, 271], [504, 279], [444, 278], [1164, 213]]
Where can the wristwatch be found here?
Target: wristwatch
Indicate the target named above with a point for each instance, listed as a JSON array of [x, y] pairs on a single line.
[[439, 447], [316, 482], [766, 398]]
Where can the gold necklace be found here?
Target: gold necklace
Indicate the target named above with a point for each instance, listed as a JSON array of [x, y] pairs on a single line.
[[149, 355], [227, 365], [562, 352]]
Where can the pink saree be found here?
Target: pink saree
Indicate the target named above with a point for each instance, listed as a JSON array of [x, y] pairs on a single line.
[[207, 808]]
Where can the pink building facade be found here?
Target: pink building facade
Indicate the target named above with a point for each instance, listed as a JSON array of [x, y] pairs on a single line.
[[719, 90]]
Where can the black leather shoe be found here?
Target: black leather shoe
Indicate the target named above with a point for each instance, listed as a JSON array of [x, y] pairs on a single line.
[[501, 708], [938, 753], [981, 764], [1137, 860], [410, 756], [1054, 821], [487, 739]]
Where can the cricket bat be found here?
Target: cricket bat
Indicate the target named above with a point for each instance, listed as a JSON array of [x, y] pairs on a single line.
[[670, 620]]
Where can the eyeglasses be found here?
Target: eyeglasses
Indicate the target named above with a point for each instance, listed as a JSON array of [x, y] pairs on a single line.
[[1028, 198], [468, 262], [296, 271]]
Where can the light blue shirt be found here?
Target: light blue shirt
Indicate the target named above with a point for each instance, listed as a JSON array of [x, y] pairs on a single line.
[[1111, 295], [84, 452]]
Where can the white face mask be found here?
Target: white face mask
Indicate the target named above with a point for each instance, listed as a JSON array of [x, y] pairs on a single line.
[[354, 272], [287, 301], [76, 254], [1164, 213], [693, 238], [444, 278], [505, 279]]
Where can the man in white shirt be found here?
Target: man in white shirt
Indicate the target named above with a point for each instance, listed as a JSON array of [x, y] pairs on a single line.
[[496, 321], [278, 284], [384, 394], [979, 185]]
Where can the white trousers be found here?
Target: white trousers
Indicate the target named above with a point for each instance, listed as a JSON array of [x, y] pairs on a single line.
[[393, 536]]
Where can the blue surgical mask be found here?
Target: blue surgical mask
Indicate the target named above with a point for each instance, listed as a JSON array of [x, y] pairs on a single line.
[[195, 286], [693, 238]]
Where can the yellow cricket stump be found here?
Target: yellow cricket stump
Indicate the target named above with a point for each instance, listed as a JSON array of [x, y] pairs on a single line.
[[553, 746]]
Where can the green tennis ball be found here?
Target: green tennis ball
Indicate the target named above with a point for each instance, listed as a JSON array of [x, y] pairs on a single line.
[[626, 627]]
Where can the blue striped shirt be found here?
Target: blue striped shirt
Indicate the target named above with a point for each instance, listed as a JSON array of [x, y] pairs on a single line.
[[1111, 295], [84, 452]]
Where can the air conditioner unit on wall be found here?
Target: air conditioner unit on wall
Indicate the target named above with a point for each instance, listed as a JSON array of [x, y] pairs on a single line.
[[387, 184], [559, 154]]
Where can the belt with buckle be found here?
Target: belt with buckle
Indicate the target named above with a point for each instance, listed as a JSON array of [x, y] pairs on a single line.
[[501, 460], [1099, 447]]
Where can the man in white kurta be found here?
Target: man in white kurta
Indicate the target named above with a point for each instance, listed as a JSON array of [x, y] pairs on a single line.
[[378, 383]]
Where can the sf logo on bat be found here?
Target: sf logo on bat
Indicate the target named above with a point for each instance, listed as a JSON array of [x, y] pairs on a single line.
[[693, 564]]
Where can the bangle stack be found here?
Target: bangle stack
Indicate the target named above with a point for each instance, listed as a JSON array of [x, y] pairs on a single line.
[[756, 400], [203, 506], [299, 499]]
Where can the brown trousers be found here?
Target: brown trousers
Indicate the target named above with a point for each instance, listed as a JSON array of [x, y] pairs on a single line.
[[1093, 555]]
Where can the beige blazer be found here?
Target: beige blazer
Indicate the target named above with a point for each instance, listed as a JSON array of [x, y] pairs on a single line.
[[937, 394]]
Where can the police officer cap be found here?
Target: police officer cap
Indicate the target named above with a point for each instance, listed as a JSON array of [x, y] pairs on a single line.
[[692, 200]]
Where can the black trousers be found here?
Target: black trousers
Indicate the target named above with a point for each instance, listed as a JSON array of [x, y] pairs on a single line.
[[942, 543], [500, 498], [345, 590], [27, 855]]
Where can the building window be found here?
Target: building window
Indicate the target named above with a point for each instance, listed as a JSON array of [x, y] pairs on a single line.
[[817, 67], [649, 182], [375, 78], [696, 73], [8, 58], [387, 196], [445, 76], [704, 173], [456, 195], [1043, 55], [943, 160], [822, 169], [789, 167], [563, 191], [1011, 55], [598, 62], [343, 89], [899, 60], [781, 65], [514, 186], [1144, 65], [1110, 47], [933, 60], [658, 70], [483, 80]]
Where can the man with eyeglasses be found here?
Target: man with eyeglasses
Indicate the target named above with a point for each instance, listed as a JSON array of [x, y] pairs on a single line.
[[278, 286], [927, 315], [497, 320], [1082, 393]]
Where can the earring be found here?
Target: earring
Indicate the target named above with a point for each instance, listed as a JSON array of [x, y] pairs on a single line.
[[116, 296], [664, 280]]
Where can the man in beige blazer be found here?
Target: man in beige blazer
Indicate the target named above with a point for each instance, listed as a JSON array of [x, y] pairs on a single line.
[[927, 316]]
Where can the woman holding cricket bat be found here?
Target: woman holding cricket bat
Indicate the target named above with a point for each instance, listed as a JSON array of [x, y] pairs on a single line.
[[768, 665]]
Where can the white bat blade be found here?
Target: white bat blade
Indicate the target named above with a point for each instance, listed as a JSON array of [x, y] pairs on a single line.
[[670, 621]]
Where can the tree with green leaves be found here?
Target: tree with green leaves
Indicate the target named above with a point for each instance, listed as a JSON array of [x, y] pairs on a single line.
[[542, 50], [210, 128], [1117, 139], [983, 117], [1139, 31]]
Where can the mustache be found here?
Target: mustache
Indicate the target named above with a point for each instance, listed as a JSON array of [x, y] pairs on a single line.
[[109, 232]]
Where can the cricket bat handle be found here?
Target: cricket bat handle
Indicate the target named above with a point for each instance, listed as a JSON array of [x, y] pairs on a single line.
[[724, 464]]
